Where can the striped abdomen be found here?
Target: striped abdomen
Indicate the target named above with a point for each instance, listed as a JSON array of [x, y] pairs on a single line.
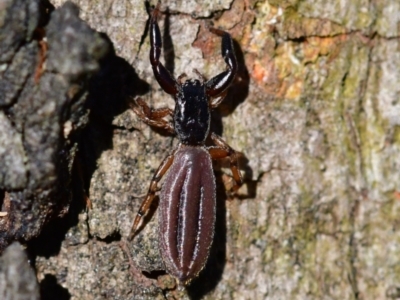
[[187, 213]]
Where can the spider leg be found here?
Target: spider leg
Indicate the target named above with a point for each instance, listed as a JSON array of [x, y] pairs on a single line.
[[152, 117], [222, 150], [145, 206]]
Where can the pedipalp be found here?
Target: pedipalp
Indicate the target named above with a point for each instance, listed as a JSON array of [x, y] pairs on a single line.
[[164, 78], [216, 85]]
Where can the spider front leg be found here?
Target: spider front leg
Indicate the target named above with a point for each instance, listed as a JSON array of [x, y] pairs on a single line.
[[218, 84], [145, 206], [222, 150], [152, 117]]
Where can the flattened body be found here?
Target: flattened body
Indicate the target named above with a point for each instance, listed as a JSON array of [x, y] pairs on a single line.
[[187, 213]]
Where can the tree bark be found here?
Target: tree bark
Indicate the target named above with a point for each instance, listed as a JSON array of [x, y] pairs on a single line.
[[314, 109]]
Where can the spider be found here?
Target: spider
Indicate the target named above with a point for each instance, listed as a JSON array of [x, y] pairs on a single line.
[[188, 195]]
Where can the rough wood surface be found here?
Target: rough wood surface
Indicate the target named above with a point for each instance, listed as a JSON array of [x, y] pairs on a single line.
[[17, 279], [43, 82], [315, 112]]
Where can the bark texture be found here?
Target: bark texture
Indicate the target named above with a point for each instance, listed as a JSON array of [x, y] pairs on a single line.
[[42, 92], [315, 112], [17, 279]]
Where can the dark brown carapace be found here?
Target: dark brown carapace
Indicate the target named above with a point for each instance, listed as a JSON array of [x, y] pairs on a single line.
[[187, 200]]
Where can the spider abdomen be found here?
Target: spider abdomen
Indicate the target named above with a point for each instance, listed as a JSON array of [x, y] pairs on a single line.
[[187, 212]]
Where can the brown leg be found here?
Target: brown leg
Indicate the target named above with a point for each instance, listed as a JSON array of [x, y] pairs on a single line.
[[39, 34], [152, 117], [145, 206], [136, 274], [222, 150]]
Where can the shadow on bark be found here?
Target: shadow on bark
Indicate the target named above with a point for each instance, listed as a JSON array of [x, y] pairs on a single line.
[[109, 91], [51, 289]]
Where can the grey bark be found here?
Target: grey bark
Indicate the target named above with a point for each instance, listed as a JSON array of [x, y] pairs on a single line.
[[314, 110], [17, 279], [42, 97]]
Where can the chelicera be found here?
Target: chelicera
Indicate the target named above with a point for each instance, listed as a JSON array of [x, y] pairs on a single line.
[[188, 196]]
